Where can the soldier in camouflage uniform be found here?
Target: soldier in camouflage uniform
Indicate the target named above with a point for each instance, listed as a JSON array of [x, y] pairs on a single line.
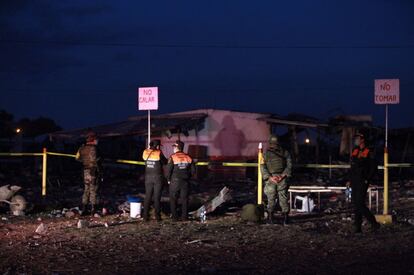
[[276, 168], [88, 155]]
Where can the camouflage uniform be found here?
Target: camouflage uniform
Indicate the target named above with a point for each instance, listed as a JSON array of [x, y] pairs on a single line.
[[277, 162], [87, 154]]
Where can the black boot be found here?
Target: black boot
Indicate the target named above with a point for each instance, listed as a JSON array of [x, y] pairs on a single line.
[[285, 219], [356, 228], [375, 226], [93, 209], [145, 215], [84, 210], [270, 219]]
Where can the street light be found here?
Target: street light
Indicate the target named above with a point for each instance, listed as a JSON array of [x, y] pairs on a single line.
[[18, 130], [307, 140]]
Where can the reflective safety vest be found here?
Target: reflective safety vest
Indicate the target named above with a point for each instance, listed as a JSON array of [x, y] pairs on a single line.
[[358, 153], [180, 166], [154, 160], [363, 165]]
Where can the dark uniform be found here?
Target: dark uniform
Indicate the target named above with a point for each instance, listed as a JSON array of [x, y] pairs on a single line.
[[180, 168], [363, 169], [276, 168], [154, 178], [88, 155]]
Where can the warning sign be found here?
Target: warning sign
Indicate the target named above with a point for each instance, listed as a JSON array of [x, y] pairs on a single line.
[[387, 91], [148, 98]]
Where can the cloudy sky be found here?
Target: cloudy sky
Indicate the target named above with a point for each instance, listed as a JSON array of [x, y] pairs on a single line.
[[80, 62]]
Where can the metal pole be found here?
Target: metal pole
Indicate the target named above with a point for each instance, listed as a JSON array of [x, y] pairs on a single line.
[[44, 172], [386, 163], [259, 176], [386, 125], [149, 127]]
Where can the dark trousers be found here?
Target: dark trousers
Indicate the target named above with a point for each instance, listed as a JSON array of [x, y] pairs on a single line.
[[153, 190], [179, 187], [359, 194]]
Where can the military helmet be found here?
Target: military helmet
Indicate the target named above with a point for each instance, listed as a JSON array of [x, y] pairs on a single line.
[[91, 136], [273, 140]]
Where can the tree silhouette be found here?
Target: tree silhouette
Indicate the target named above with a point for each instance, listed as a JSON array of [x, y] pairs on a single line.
[[6, 124], [38, 126]]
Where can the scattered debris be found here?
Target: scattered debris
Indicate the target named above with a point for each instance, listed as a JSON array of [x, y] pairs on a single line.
[[124, 207], [17, 202], [83, 224], [70, 214], [105, 211], [212, 205], [309, 225], [410, 193], [7, 191], [41, 229]]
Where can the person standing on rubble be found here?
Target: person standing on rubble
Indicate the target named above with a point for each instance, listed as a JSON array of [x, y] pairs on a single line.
[[180, 169], [154, 178], [276, 169], [363, 169], [88, 155]]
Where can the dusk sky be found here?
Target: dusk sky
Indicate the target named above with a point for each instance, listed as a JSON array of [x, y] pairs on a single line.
[[81, 62]]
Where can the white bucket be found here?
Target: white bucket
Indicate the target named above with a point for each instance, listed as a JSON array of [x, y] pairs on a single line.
[[135, 209]]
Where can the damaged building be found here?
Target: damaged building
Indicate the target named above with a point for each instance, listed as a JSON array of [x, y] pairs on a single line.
[[232, 136]]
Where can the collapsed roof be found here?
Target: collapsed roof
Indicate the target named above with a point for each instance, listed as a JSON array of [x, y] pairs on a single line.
[[138, 126]]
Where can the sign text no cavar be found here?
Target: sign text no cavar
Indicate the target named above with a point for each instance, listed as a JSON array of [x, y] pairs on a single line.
[[148, 98]]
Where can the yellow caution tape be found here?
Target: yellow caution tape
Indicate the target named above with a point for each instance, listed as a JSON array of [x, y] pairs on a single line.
[[62, 155], [239, 164], [130, 162], [401, 165], [225, 164], [21, 154], [332, 166]]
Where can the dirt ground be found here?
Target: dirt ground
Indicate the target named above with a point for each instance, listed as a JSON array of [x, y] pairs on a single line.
[[320, 243]]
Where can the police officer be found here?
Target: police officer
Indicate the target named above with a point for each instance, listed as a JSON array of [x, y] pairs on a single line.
[[88, 155], [180, 168], [154, 178], [363, 169], [276, 168]]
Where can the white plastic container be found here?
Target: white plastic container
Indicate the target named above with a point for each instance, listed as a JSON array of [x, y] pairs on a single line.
[[135, 209], [307, 204]]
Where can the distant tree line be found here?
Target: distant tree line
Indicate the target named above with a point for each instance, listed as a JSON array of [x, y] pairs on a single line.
[[28, 127]]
